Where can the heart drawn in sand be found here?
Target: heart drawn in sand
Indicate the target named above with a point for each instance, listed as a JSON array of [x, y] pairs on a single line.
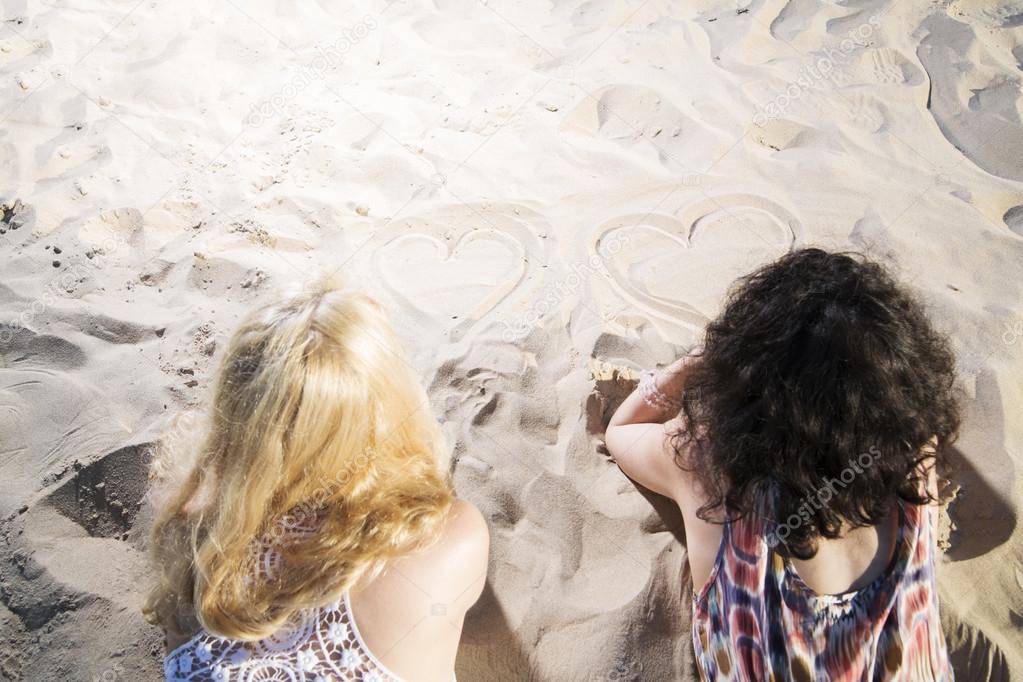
[[677, 268], [454, 273]]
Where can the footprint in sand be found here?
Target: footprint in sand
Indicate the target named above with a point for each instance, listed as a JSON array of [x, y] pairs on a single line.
[[643, 121], [972, 99], [105, 496], [41, 387], [882, 66], [888, 65], [1013, 219], [677, 268], [453, 270], [867, 112], [65, 559]]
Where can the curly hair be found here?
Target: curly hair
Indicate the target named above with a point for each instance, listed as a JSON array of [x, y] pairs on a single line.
[[823, 381]]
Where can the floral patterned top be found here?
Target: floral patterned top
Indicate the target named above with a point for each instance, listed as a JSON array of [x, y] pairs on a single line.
[[755, 618]]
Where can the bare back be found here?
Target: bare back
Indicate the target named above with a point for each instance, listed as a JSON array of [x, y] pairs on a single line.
[[411, 615]]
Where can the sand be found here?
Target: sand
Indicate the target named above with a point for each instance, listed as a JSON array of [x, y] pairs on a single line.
[[539, 193]]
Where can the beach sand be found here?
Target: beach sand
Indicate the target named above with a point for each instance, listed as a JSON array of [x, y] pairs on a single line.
[[539, 193]]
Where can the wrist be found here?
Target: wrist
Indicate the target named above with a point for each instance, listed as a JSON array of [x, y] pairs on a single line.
[[655, 396]]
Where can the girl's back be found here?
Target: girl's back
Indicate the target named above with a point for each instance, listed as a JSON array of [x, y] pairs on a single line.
[[759, 617]]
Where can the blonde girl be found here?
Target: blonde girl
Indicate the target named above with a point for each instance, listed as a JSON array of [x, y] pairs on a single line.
[[316, 536]]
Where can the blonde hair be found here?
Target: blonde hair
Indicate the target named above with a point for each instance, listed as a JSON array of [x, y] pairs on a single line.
[[315, 410]]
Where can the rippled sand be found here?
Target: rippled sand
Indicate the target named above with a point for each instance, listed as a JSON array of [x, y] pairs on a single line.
[[539, 193]]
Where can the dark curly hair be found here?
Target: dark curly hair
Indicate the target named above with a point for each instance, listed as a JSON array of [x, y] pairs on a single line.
[[824, 381]]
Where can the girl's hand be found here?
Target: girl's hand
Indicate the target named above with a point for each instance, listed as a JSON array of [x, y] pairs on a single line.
[[672, 379], [637, 437]]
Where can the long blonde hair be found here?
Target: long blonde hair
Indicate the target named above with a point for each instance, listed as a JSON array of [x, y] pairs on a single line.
[[315, 410]]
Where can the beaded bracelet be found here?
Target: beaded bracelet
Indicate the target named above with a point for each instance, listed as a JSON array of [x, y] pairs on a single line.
[[655, 397]]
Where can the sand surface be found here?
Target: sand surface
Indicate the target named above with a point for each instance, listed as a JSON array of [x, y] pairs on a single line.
[[539, 192]]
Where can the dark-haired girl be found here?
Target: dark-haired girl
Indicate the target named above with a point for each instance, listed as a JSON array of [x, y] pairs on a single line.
[[800, 443]]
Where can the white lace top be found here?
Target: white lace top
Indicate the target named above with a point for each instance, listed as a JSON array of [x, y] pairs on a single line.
[[317, 645]]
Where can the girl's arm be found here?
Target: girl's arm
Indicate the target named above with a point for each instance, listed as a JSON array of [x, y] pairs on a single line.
[[637, 436], [637, 410]]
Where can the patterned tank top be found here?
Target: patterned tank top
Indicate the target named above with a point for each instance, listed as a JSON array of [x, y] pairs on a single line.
[[315, 645], [755, 619]]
